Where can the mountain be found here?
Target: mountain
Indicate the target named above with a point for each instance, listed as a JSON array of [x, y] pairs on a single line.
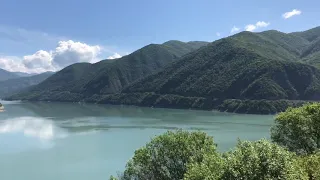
[[247, 73], [22, 74], [108, 76], [310, 35], [227, 69], [311, 53], [4, 75], [12, 86]]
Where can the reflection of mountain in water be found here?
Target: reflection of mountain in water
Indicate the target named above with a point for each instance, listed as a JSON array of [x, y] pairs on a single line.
[[140, 115], [75, 110]]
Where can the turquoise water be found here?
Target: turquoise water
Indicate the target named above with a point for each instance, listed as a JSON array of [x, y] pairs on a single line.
[[68, 141]]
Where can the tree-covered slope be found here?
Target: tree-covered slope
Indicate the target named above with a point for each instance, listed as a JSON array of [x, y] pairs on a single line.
[[5, 75], [248, 72], [12, 86], [310, 34], [108, 76], [228, 69]]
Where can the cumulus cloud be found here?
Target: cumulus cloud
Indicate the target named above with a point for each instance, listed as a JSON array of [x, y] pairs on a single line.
[[69, 52], [66, 53], [218, 34], [115, 56], [250, 27], [41, 60], [262, 24], [259, 24], [11, 63], [289, 14], [234, 29]]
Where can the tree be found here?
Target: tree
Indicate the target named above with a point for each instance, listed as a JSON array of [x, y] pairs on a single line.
[[311, 165], [261, 160], [298, 129], [211, 168], [167, 156]]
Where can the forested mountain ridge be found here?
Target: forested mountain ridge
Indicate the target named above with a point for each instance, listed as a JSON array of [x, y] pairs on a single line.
[[108, 76], [228, 70], [237, 73], [248, 72]]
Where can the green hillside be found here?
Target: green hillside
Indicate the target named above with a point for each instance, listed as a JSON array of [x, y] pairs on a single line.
[[108, 76], [309, 35], [228, 70], [248, 72], [12, 86]]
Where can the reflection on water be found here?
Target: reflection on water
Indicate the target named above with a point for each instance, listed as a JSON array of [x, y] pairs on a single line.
[[87, 141]]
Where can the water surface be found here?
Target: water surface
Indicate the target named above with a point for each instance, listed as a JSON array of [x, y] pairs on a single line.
[[70, 141]]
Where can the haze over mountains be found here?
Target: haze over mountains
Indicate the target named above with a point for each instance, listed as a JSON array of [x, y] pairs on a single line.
[[5, 75], [228, 74], [15, 85]]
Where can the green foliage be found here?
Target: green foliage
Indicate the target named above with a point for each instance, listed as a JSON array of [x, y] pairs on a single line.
[[211, 168], [311, 165], [259, 70], [231, 69], [112, 178], [108, 76], [310, 35], [257, 106], [261, 160], [167, 156], [298, 129]]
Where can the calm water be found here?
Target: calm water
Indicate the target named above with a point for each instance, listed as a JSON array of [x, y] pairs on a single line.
[[82, 142]]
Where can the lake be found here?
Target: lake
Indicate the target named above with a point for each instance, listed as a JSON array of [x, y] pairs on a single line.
[[70, 141]]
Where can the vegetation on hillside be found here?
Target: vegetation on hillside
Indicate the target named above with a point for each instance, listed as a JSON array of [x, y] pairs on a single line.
[[193, 155], [248, 73], [109, 76]]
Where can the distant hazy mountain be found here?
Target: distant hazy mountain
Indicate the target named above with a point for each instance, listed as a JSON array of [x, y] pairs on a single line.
[[12, 86], [4, 75], [109, 76], [22, 74]]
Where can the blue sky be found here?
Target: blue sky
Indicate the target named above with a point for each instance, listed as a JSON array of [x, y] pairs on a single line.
[[118, 26]]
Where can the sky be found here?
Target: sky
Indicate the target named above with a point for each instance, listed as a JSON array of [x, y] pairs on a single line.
[[47, 35]]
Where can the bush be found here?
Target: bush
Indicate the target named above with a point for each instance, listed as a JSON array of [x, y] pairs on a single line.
[[261, 160], [298, 129], [167, 156]]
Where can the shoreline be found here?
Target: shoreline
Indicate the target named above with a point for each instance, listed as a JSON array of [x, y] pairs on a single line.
[[153, 100]]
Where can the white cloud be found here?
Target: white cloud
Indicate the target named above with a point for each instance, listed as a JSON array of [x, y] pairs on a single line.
[[66, 53], [289, 14], [262, 24], [39, 60], [234, 29], [259, 24], [11, 63], [69, 52], [218, 34], [115, 56], [250, 27]]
